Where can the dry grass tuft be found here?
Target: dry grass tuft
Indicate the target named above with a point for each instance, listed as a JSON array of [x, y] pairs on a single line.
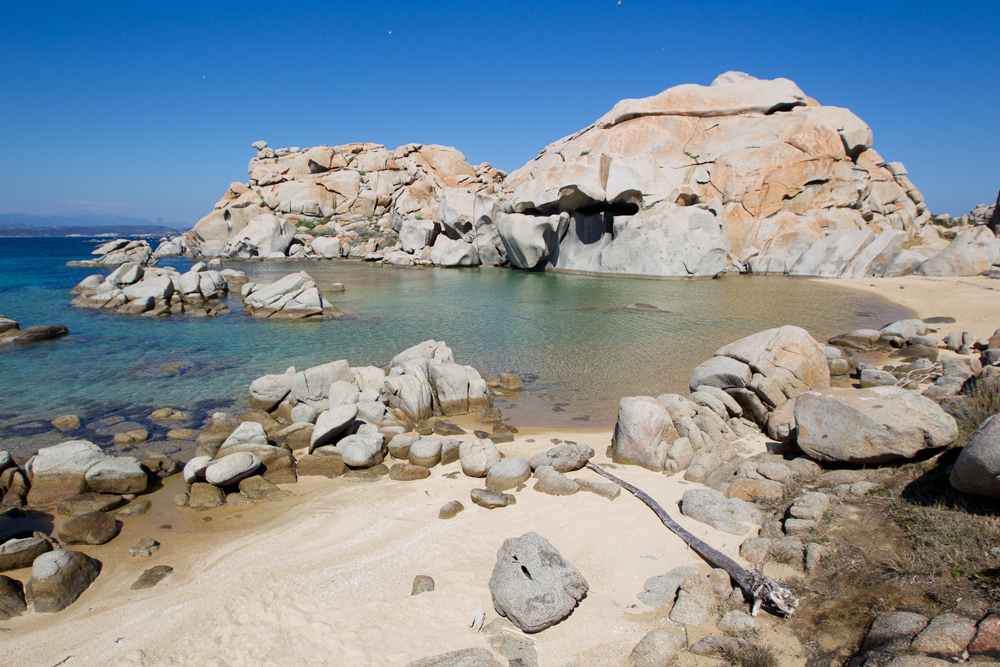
[[746, 652], [945, 540]]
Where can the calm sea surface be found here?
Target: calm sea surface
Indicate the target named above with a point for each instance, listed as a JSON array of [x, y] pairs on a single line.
[[568, 336]]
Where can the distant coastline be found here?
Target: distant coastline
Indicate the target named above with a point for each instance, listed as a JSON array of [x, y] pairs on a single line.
[[101, 230], [26, 225]]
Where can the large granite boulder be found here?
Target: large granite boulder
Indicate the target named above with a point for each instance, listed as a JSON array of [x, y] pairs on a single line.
[[973, 251], [269, 390], [831, 256], [18, 553], [60, 472], [417, 234], [663, 240], [118, 475], [531, 239], [977, 469], [867, 426], [264, 236], [643, 433], [296, 296], [58, 578], [533, 585], [762, 371], [775, 171]]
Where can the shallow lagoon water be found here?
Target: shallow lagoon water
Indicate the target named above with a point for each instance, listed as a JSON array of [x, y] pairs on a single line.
[[571, 337]]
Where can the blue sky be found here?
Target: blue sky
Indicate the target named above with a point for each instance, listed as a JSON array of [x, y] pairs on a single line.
[[148, 110]]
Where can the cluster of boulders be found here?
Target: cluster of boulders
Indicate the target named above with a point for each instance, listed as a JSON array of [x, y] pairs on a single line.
[[76, 479], [12, 333], [296, 296], [743, 175], [337, 192], [734, 394], [912, 639], [118, 252], [132, 289]]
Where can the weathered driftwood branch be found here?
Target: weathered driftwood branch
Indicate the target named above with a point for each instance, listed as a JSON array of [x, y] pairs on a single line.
[[755, 585]]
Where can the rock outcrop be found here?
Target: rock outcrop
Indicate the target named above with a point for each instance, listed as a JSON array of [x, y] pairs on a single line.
[[742, 175], [132, 289], [11, 332], [864, 426], [296, 296], [354, 201], [747, 169], [118, 252], [977, 469], [77, 466]]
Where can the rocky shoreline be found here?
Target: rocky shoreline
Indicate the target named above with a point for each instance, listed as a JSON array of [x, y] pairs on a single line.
[[763, 435], [744, 175]]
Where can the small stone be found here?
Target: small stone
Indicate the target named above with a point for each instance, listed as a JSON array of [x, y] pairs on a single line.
[[133, 510], [88, 502], [478, 456], [326, 465], [799, 526], [236, 500], [450, 510], [656, 649], [695, 602], [66, 422], [18, 553], [555, 483], [755, 549], [510, 382], [608, 490], [181, 434], [425, 452], [205, 496], [756, 490], [738, 623], [140, 552], [181, 500], [986, 644], [12, 601], [946, 635], [491, 499], [508, 474], [139, 435], [151, 577], [90, 528], [258, 488], [404, 472], [422, 584], [442, 427], [533, 585], [814, 555], [232, 468], [661, 591]]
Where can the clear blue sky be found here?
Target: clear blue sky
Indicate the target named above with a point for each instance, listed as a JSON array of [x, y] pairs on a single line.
[[148, 109]]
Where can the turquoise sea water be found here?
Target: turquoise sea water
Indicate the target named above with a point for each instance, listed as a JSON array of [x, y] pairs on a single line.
[[567, 335]]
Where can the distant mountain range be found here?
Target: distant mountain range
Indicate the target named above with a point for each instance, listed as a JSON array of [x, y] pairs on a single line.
[[23, 224]]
